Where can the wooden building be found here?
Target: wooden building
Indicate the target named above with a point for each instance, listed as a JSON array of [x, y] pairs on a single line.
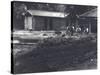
[[45, 20], [38, 20], [89, 19]]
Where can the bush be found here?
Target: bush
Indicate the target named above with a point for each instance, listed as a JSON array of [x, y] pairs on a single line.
[[58, 41], [52, 41]]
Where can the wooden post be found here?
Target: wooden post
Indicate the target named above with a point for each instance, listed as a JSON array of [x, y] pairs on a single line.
[[89, 27], [33, 23], [48, 23], [45, 24]]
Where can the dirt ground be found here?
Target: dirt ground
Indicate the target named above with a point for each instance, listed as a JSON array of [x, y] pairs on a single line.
[[77, 55]]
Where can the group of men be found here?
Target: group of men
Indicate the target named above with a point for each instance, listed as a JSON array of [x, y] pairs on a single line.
[[76, 29]]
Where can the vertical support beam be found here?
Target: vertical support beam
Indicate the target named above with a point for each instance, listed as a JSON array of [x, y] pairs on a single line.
[[45, 24], [48, 23], [89, 27], [33, 23]]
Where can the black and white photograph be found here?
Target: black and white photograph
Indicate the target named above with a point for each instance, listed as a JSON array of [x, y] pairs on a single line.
[[52, 37]]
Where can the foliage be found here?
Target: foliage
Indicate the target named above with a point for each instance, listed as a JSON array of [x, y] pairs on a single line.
[[19, 10], [57, 41]]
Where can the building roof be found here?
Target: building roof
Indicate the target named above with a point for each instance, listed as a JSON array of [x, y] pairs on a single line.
[[47, 13], [91, 13]]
